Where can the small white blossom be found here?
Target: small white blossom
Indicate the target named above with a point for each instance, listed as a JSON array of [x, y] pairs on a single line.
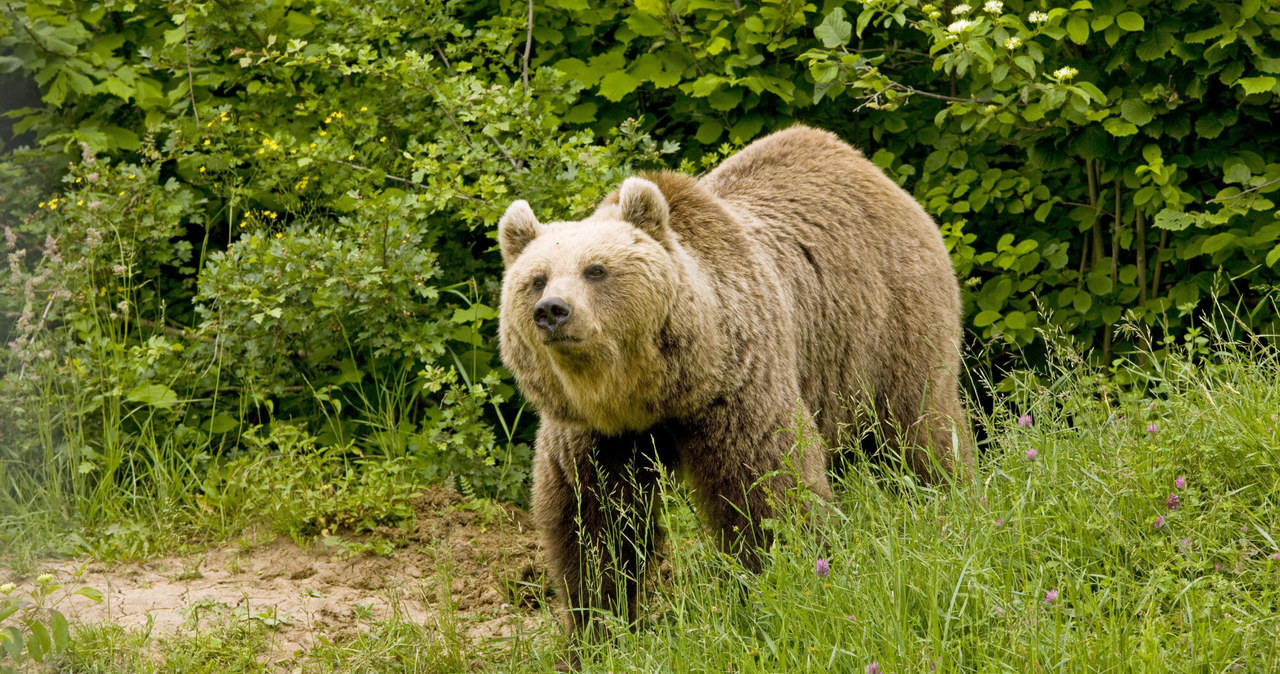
[[960, 26], [1038, 17], [1013, 42], [960, 10], [993, 7], [7, 588], [1065, 73]]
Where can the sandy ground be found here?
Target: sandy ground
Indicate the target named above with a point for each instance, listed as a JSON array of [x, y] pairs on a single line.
[[485, 556]]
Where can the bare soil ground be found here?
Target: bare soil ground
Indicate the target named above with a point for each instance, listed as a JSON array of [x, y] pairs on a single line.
[[472, 563]]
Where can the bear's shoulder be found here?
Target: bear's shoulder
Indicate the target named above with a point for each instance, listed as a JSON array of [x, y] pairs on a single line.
[[800, 157]]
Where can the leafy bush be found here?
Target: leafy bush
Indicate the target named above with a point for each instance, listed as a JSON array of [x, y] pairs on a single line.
[[222, 217], [1084, 162], [266, 222]]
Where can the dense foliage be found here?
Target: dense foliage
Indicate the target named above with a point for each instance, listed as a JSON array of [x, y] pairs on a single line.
[[228, 221]]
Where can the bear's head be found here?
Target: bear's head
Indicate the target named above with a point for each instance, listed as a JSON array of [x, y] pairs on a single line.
[[584, 303]]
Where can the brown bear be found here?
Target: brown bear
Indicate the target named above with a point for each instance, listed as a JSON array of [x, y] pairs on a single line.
[[687, 323]]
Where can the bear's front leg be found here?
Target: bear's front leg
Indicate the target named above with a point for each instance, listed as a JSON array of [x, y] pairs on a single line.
[[732, 446], [595, 502]]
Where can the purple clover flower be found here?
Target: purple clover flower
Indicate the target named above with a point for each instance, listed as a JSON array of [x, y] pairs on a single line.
[[873, 668], [1159, 522], [1173, 502], [1024, 420], [822, 568], [1032, 454], [1152, 429], [1180, 483], [1051, 596]]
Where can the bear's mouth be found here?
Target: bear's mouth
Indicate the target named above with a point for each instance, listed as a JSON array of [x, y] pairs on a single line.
[[559, 339]]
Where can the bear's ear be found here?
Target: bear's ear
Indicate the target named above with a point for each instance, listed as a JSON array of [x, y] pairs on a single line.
[[643, 205], [517, 228]]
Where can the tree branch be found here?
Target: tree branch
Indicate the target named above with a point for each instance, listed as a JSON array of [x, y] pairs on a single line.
[[191, 82], [1237, 196], [528, 46]]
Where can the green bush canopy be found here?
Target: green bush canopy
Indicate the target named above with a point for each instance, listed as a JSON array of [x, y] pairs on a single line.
[[224, 218]]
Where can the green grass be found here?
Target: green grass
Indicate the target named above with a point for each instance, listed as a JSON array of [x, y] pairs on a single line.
[[956, 578]]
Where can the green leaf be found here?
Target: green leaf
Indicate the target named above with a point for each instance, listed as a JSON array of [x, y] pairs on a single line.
[[1209, 127], [834, 31], [1026, 63], [617, 84], [1130, 21], [1274, 256], [40, 644], [1202, 36], [1078, 29], [1082, 302], [1256, 85], [746, 128], [1236, 172], [1154, 46], [1098, 282], [709, 131], [1015, 320], [985, 318], [11, 639], [91, 593], [1137, 111], [221, 423], [1119, 127], [60, 630], [475, 312], [582, 113], [1217, 242], [1172, 220], [153, 394]]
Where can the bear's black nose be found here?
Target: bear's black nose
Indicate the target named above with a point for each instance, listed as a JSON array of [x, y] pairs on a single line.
[[551, 313]]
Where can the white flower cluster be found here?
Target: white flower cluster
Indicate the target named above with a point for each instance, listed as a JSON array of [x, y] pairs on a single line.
[[960, 10], [1038, 17], [7, 588], [1013, 42], [993, 7], [1065, 73], [960, 26]]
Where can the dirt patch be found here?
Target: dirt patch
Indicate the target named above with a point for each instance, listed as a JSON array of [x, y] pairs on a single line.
[[471, 562]]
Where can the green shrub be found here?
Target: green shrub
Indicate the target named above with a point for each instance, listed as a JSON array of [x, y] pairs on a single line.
[[222, 217]]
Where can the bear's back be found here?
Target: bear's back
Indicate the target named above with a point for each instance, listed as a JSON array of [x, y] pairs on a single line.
[[859, 260]]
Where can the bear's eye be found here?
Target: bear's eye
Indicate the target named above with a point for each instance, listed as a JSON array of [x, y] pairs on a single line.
[[539, 282], [595, 272]]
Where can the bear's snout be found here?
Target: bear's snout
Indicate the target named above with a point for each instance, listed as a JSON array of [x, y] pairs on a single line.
[[551, 313]]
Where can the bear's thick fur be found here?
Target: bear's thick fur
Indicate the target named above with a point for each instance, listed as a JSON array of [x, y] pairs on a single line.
[[687, 323]]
